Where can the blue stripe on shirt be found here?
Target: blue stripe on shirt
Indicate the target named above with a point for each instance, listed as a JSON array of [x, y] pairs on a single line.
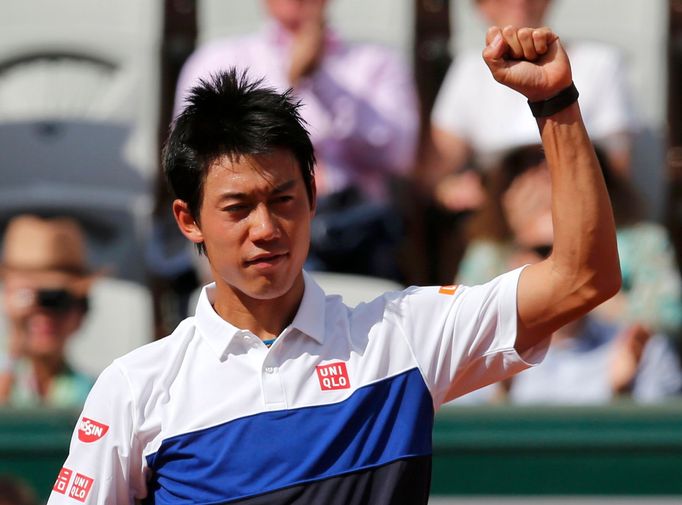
[[379, 423]]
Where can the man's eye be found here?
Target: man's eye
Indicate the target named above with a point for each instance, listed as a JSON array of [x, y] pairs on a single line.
[[233, 209]]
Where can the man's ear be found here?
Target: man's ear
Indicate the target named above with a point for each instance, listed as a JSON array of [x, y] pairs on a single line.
[[186, 222]]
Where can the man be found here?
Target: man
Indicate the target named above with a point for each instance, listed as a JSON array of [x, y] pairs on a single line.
[[361, 108], [339, 407], [45, 291]]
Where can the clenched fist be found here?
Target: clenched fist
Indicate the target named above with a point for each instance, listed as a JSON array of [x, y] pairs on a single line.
[[528, 60]]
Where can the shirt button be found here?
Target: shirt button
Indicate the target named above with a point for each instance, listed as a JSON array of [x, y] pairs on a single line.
[[269, 369]]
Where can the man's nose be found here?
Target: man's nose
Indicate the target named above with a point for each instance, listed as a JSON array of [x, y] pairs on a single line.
[[264, 224]]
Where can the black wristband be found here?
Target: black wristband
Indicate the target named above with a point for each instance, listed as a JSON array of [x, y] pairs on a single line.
[[560, 101]]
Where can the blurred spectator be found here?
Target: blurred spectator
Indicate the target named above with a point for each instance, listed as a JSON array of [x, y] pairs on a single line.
[[592, 361], [474, 120], [360, 104], [14, 491], [517, 212], [621, 347], [46, 284]]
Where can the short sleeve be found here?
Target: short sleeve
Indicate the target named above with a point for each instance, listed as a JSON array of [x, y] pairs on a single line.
[[463, 337], [104, 465]]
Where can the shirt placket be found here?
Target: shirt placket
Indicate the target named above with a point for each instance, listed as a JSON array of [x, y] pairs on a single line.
[[271, 381]]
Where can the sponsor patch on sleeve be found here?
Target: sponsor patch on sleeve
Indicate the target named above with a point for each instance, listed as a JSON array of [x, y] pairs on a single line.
[[333, 376], [80, 489], [62, 481], [448, 290], [90, 431]]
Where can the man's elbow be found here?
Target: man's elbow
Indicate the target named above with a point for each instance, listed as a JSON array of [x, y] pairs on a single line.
[[604, 284]]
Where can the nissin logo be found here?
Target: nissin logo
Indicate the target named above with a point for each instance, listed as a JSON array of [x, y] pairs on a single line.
[[91, 431], [333, 376]]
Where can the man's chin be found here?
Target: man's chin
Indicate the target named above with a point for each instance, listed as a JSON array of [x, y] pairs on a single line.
[[270, 287]]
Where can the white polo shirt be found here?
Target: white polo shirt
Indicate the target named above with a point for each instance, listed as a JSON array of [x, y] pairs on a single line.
[[338, 411]]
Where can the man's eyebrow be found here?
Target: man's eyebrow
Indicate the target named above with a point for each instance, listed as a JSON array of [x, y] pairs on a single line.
[[280, 188], [285, 186]]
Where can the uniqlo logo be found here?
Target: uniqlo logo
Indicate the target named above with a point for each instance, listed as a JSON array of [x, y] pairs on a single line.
[[62, 481], [81, 487], [91, 431], [333, 376]]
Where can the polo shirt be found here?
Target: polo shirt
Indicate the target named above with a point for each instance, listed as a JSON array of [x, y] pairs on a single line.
[[339, 410]]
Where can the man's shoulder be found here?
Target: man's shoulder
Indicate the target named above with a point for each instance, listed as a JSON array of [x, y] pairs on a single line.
[[156, 355]]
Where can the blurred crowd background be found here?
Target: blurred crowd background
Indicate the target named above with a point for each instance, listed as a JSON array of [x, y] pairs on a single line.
[[428, 172]]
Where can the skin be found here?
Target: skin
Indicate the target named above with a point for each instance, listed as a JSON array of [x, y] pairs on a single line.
[[254, 221], [583, 269]]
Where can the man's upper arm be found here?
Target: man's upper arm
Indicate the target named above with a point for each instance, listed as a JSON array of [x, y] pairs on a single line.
[[103, 466]]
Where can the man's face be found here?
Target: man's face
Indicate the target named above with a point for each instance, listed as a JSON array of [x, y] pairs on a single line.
[[291, 13], [43, 309], [255, 223], [514, 12]]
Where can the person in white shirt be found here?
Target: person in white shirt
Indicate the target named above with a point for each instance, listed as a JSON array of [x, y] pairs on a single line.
[[474, 122]]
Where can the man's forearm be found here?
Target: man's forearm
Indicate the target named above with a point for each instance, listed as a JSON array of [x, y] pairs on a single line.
[[583, 269], [584, 230]]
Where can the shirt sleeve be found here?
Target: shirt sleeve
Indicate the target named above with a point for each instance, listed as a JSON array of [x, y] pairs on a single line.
[[463, 337], [104, 465]]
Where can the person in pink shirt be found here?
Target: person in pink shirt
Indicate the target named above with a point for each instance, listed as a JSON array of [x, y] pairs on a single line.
[[360, 105]]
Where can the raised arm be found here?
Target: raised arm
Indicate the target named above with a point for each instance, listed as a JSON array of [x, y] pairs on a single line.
[[583, 269]]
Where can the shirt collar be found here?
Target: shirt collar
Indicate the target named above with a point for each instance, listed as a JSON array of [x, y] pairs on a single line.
[[309, 319], [217, 332], [311, 313]]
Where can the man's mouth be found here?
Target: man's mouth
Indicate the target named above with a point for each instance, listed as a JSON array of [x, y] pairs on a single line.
[[266, 259]]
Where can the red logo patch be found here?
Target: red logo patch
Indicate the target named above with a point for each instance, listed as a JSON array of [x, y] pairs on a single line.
[[333, 376], [91, 431], [62, 481], [81, 487]]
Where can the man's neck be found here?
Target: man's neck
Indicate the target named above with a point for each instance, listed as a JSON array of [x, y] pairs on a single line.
[[265, 318]]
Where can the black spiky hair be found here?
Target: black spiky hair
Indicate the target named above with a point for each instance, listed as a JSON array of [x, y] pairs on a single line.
[[229, 114]]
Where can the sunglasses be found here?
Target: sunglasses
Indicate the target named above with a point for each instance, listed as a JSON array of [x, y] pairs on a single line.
[[60, 300]]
